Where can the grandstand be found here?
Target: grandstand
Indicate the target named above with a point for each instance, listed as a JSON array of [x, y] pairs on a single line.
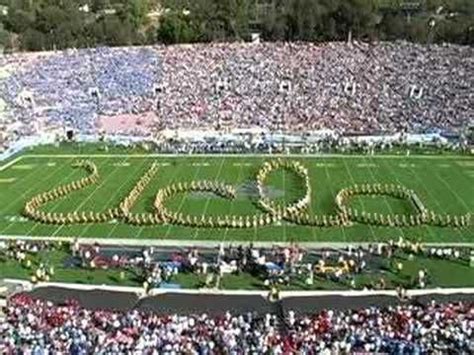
[[416, 328], [388, 87]]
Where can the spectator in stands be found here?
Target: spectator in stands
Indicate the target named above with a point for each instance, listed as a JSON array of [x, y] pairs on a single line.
[[30, 326], [348, 88]]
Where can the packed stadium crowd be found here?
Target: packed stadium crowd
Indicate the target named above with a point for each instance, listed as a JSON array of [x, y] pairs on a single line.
[[337, 86], [281, 87], [71, 88], [39, 327], [347, 87]]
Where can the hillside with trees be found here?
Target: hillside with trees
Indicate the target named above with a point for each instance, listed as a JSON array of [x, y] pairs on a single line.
[[57, 24]]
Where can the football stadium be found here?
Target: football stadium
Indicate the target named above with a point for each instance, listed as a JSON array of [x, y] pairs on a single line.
[[254, 177]]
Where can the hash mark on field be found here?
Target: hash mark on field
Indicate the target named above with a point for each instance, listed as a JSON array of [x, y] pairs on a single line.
[[13, 162], [7, 180], [23, 167], [467, 164], [242, 164], [406, 166], [121, 164], [325, 165], [200, 164], [367, 165], [51, 164]]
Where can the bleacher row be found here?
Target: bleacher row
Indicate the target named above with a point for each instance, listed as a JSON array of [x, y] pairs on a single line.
[[37, 327], [349, 87]]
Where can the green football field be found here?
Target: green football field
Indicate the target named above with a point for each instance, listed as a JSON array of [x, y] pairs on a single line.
[[445, 184]]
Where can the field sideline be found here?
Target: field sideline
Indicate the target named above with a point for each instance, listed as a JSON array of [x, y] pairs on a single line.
[[444, 183]]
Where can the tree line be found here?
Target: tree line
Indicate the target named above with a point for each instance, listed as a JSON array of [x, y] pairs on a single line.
[[58, 24]]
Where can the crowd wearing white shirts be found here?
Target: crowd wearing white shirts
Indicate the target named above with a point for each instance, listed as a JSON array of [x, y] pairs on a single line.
[[37, 327]]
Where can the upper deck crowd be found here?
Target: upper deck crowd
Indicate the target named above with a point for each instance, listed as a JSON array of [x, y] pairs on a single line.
[[387, 87]]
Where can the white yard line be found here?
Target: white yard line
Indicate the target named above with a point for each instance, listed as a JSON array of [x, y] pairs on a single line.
[[232, 201], [58, 203], [183, 199], [12, 162], [385, 200], [392, 172], [440, 207], [118, 191], [208, 200], [443, 180], [61, 181], [33, 187], [114, 196], [361, 202], [99, 185]]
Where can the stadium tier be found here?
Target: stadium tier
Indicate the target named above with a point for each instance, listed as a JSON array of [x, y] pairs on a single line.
[[33, 325], [386, 87]]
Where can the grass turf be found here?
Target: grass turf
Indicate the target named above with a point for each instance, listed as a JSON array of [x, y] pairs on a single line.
[[443, 183], [441, 273]]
